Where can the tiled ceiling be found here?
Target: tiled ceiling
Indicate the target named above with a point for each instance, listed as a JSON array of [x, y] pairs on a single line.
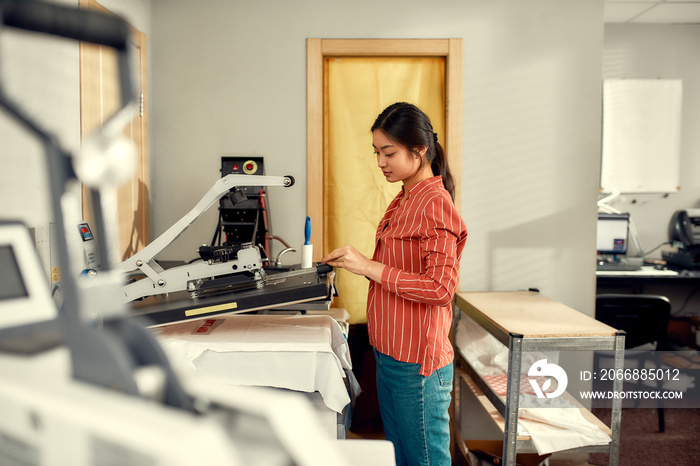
[[652, 11]]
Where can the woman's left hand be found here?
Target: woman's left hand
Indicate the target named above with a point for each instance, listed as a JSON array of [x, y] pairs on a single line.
[[350, 259]]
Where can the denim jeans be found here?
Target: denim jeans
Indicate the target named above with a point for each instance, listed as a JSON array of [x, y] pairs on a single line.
[[414, 411]]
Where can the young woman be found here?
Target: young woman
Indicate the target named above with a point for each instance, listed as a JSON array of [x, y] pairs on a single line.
[[413, 276]]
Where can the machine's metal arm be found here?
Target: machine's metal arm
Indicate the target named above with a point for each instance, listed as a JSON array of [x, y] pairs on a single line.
[[185, 277], [158, 279]]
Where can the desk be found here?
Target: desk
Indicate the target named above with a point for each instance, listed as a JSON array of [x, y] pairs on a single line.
[[300, 353], [648, 272], [679, 286]]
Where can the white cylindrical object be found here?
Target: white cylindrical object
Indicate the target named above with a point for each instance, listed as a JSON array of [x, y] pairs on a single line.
[[307, 252]]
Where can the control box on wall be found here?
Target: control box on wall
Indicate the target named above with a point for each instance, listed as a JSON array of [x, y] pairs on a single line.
[[247, 220]]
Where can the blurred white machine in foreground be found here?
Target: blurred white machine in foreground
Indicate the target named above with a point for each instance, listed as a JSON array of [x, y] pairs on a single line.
[[88, 384], [141, 415]]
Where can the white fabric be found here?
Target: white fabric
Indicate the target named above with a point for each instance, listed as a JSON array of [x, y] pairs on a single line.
[[486, 354], [302, 353], [367, 452], [557, 429]]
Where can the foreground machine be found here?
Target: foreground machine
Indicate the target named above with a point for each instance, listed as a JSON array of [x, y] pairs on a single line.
[[88, 384]]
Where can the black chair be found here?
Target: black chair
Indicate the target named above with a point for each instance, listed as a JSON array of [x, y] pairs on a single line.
[[644, 318]]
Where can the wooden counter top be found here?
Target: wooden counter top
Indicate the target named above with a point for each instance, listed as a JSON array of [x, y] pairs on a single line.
[[531, 314]]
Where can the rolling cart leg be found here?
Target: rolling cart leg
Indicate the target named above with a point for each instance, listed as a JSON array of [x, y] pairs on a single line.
[[512, 397], [616, 414]]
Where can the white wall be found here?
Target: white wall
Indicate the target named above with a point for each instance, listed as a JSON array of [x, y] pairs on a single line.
[[229, 79], [135, 12], [660, 51]]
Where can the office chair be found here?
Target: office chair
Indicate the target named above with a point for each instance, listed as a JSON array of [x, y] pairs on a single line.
[[644, 318]]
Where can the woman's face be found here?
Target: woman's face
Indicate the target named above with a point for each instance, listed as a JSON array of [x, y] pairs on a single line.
[[396, 162]]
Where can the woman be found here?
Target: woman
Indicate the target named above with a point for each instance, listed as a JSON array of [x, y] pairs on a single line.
[[413, 276]]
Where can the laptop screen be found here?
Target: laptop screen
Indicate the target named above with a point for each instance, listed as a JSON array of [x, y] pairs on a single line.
[[612, 233]]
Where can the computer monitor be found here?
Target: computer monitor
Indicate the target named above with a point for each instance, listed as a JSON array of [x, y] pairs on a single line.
[[612, 233], [25, 296], [12, 285]]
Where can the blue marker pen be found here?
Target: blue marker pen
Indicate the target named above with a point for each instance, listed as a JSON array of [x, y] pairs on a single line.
[[307, 250]]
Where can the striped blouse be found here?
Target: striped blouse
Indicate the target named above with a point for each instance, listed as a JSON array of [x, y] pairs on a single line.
[[409, 314]]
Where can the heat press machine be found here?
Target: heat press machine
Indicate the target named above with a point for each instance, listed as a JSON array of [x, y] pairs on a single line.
[[240, 263], [86, 383], [229, 278]]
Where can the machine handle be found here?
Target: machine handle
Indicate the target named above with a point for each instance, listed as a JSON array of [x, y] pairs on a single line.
[[64, 21]]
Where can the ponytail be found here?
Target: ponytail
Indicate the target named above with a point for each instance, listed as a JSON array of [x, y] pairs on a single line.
[[441, 167]]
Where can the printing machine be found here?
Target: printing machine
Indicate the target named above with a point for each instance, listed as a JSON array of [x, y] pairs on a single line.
[[87, 383], [228, 279]]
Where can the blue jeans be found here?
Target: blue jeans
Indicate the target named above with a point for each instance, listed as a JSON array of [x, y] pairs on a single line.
[[414, 411]]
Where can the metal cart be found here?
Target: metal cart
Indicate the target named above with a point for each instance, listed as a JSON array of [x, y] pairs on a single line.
[[528, 321]]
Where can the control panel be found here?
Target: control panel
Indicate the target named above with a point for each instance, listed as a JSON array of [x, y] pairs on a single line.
[[244, 219]]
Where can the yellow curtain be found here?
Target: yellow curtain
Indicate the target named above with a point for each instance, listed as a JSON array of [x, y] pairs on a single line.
[[356, 194]]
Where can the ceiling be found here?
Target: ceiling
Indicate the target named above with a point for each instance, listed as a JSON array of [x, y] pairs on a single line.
[[652, 11]]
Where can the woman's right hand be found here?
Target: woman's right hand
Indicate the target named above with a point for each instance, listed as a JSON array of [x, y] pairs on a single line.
[[350, 259]]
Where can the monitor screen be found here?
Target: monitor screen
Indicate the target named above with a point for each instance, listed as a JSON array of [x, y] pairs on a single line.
[[612, 233], [11, 282], [25, 294], [85, 232]]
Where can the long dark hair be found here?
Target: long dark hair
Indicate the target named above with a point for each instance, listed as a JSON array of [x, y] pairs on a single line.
[[409, 126]]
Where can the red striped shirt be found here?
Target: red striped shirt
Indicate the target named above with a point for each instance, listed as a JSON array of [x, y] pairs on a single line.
[[409, 314]]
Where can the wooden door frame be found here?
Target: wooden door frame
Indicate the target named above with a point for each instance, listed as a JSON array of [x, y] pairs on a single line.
[[316, 52]]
